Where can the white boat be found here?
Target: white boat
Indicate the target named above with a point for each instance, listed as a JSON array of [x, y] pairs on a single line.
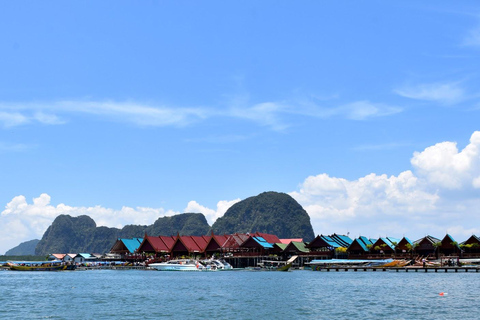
[[178, 265], [217, 265]]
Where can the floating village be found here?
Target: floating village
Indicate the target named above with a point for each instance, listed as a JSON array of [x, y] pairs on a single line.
[[266, 252]]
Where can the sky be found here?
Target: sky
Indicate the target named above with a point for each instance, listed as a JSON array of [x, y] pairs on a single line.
[[367, 113]]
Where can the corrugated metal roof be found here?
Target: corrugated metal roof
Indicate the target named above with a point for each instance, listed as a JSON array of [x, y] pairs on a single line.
[[189, 243], [263, 242], [300, 246], [342, 240], [430, 239], [132, 244], [235, 240], [387, 241], [363, 242], [157, 244], [270, 238], [331, 242]]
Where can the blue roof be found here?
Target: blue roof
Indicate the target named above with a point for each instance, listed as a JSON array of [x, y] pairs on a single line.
[[132, 244], [330, 241], [363, 242], [389, 242], [263, 242], [345, 241]]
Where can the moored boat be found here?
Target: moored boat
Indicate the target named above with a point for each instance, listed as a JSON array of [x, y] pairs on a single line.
[[216, 265], [274, 265], [178, 265], [37, 265]]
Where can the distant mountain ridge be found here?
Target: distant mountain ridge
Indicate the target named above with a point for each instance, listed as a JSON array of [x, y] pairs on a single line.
[[26, 248], [80, 234], [269, 212]]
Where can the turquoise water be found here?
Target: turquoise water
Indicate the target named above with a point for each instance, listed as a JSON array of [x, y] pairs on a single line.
[[132, 294]]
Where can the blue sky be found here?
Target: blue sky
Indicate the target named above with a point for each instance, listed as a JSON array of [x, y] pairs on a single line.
[[130, 111]]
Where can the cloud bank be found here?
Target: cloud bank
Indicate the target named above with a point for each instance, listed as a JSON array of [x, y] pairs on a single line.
[[22, 221], [439, 194]]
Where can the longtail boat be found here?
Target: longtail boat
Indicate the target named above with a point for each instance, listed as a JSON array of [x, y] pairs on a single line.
[[36, 265]]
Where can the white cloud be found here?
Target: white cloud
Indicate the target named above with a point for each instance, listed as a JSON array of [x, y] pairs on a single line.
[[210, 214], [135, 113], [442, 165], [12, 119], [434, 198], [21, 221], [273, 115], [362, 110], [266, 114], [444, 93]]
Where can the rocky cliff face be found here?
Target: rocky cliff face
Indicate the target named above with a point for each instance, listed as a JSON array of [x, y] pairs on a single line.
[[80, 234], [269, 212]]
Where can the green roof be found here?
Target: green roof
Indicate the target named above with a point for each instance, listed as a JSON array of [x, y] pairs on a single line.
[[300, 246]]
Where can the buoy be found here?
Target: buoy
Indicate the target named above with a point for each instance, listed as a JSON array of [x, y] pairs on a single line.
[[442, 294]]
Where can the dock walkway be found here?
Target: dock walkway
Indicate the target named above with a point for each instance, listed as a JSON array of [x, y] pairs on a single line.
[[399, 269]]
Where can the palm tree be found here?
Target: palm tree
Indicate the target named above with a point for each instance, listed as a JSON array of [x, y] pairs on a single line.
[[454, 244], [436, 246], [411, 248]]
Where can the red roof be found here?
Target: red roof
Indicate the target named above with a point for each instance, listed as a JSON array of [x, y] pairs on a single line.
[[215, 242], [169, 241], [270, 238], [201, 241], [186, 243], [157, 244], [235, 240]]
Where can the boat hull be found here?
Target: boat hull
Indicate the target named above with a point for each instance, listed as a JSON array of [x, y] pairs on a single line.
[[174, 267], [177, 265], [39, 268]]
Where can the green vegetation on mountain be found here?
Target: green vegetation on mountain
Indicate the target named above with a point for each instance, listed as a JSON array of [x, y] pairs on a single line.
[[269, 212], [188, 224], [80, 234], [23, 249]]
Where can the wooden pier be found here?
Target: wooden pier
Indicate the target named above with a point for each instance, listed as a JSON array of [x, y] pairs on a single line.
[[398, 269]]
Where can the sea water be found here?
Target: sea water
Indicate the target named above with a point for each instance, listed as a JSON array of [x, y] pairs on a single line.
[[141, 294]]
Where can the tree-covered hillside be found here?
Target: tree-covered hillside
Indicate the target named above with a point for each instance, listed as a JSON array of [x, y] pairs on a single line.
[[24, 249], [80, 234], [269, 212]]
